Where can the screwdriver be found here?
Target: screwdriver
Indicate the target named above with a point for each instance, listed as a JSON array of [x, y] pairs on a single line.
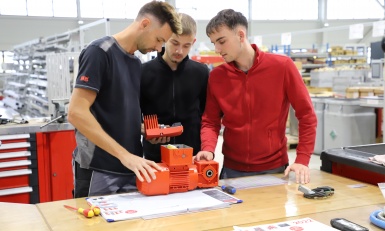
[[96, 210], [86, 212]]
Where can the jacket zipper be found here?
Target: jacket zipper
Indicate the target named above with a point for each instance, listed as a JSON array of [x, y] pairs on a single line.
[[250, 120], [270, 141], [173, 99]]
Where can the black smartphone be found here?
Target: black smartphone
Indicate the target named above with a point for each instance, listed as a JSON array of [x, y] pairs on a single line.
[[346, 225]]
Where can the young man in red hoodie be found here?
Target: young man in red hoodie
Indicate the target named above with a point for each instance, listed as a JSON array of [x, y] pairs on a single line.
[[251, 94]]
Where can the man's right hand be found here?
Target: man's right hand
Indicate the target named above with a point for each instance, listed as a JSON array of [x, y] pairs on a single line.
[[141, 167], [160, 140], [204, 155]]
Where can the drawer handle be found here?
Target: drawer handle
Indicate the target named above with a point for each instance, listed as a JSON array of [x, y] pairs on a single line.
[[19, 172], [15, 163], [15, 145], [15, 137], [12, 191], [6, 155]]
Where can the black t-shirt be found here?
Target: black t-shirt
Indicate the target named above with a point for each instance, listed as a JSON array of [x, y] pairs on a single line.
[[114, 74]]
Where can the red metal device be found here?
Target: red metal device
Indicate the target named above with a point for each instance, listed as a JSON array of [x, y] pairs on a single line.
[[153, 130], [179, 173]]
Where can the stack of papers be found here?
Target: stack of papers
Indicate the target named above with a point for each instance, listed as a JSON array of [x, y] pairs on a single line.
[[136, 205], [305, 224]]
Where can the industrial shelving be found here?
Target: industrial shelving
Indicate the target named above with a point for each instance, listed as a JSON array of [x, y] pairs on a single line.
[[309, 58], [34, 96], [43, 67], [347, 60], [312, 58], [311, 61], [15, 85]]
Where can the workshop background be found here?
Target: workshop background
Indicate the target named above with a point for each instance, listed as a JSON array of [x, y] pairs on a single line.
[[335, 44]]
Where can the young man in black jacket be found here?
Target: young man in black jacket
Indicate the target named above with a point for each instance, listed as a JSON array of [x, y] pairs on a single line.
[[173, 87]]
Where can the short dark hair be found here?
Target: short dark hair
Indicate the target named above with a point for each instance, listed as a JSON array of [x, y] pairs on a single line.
[[164, 13], [227, 17]]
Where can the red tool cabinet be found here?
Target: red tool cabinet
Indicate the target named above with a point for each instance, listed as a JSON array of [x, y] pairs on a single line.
[[36, 167], [54, 151], [18, 169]]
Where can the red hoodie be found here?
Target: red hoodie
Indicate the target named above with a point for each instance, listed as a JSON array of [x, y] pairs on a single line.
[[255, 107]]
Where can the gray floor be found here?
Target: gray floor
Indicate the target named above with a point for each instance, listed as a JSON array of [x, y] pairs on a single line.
[[315, 162]]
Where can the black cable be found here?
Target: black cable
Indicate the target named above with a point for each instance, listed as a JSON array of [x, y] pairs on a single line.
[[319, 193]]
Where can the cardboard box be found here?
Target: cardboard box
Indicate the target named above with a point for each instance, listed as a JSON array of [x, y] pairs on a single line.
[[298, 64], [366, 91], [352, 92]]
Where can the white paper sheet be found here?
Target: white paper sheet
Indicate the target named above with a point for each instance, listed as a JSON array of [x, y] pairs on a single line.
[[135, 205]]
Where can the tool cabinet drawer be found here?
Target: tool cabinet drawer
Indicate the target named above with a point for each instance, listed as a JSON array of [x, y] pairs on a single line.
[[24, 195], [18, 178], [16, 143], [15, 147], [20, 155], [17, 164], [16, 138], [17, 158]]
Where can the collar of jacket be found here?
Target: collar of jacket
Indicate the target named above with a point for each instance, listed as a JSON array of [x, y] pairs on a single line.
[[180, 65], [258, 55]]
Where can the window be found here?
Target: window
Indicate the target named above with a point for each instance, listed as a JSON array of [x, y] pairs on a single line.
[[111, 8], [15, 7], [39, 8], [64, 8], [56, 8], [285, 10], [133, 7], [91, 8], [205, 10], [354, 9], [115, 9]]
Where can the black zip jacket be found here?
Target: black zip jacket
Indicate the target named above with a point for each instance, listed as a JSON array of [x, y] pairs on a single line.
[[174, 96]]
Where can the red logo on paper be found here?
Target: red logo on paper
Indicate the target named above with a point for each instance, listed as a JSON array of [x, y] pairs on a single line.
[[84, 78], [296, 228], [131, 211]]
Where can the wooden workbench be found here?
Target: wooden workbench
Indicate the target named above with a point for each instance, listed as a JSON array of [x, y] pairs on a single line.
[[261, 206], [359, 215], [17, 217]]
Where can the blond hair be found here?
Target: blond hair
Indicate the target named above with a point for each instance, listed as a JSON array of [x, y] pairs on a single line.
[[189, 26]]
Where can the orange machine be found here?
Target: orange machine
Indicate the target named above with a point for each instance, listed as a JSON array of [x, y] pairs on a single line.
[[179, 174], [152, 129]]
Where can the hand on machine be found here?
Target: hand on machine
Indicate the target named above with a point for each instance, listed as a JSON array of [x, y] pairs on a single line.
[[179, 173], [153, 130]]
